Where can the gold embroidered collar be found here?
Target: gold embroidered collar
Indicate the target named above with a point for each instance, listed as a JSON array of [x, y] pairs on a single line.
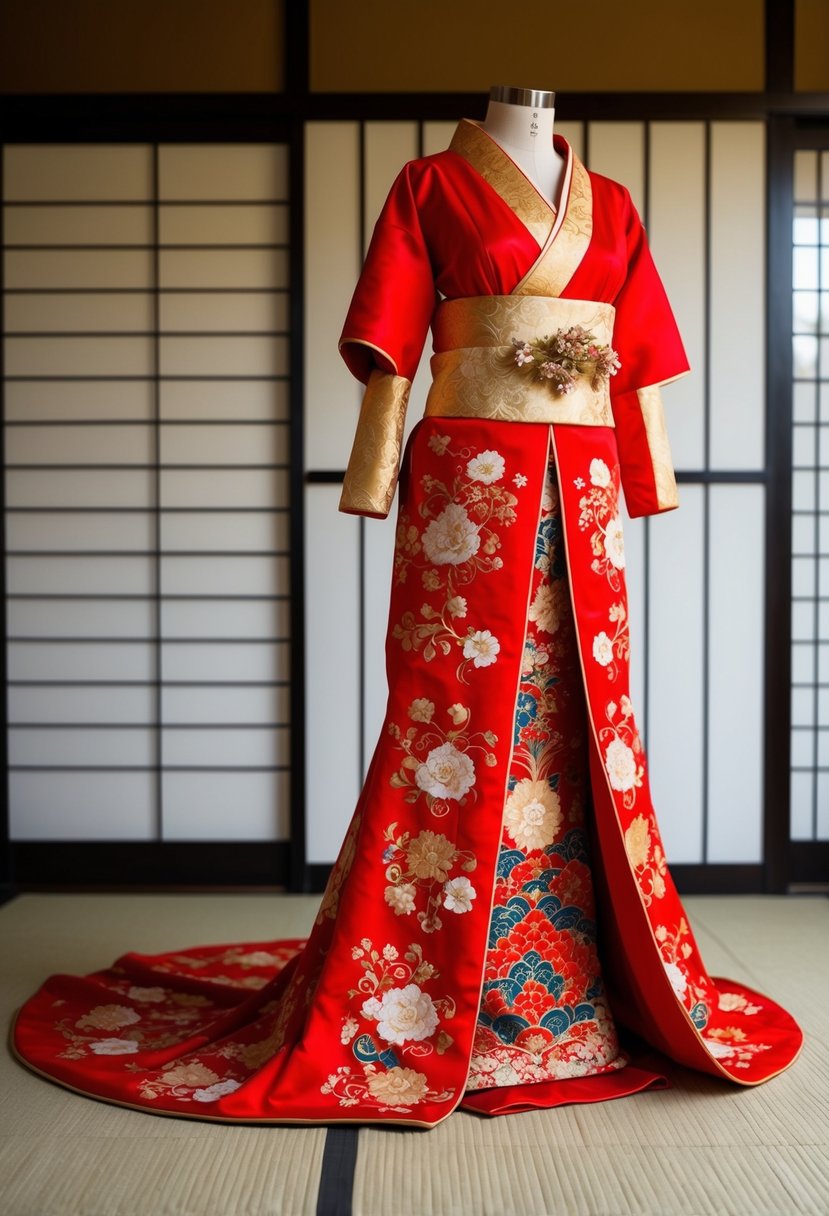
[[563, 237]]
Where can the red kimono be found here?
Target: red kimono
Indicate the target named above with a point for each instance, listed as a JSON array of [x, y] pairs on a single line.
[[501, 908]]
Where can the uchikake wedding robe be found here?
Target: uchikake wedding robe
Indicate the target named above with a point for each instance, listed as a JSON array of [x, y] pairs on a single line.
[[501, 907]]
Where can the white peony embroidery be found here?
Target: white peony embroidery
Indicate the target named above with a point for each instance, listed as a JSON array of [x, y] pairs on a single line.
[[720, 1051], [213, 1092], [679, 981], [602, 649], [147, 994], [620, 763], [458, 894], [482, 648], [599, 474], [403, 1014], [421, 710], [533, 814], [487, 467], [614, 543], [401, 899], [452, 538], [114, 1047], [456, 606], [446, 772]]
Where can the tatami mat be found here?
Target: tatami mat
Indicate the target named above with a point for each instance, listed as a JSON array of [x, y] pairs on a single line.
[[699, 1148]]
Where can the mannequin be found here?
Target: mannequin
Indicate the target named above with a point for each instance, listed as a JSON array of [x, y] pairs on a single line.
[[521, 122]]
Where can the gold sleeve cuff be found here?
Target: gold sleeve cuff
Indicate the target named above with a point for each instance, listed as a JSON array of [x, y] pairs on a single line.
[[653, 416], [371, 476]]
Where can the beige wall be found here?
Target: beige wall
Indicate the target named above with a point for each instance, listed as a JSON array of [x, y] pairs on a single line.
[[811, 51], [466, 45], [141, 46], [195, 46]]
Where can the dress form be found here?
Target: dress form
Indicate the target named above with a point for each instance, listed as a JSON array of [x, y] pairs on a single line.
[[521, 122]]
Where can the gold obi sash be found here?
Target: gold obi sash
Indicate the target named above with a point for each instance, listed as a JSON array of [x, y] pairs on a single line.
[[475, 374]]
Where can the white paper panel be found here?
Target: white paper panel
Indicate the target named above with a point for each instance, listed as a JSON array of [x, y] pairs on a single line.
[[675, 718], [240, 399], [183, 575], [226, 806], [225, 662], [132, 705], [676, 230], [104, 445], [223, 171], [78, 356], [735, 710], [78, 488], [635, 574], [737, 294], [332, 671], [61, 401], [230, 706], [81, 618], [822, 832], [388, 146], [84, 268], [802, 792], [245, 311], [212, 530], [256, 488], [243, 445], [74, 531], [233, 748], [252, 268], [617, 149], [77, 172], [379, 556], [78, 225], [100, 312], [239, 225], [77, 748], [225, 618], [214, 355], [437, 136], [332, 266], [79, 575], [82, 806], [93, 660]]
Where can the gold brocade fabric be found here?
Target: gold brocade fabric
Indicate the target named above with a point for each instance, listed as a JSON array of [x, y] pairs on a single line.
[[475, 374], [564, 238], [489, 160], [653, 416], [371, 476]]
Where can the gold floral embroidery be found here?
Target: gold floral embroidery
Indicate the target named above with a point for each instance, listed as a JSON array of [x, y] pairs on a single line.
[[425, 862], [399, 1012]]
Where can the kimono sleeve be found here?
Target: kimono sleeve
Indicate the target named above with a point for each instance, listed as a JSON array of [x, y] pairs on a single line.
[[382, 341], [650, 350]]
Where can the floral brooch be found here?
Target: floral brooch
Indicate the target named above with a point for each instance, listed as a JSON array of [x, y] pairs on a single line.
[[561, 357]]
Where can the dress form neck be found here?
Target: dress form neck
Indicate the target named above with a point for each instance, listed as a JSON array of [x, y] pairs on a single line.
[[525, 132]]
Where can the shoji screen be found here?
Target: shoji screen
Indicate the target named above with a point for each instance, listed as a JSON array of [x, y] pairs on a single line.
[[810, 485], [697, 602], [146, 419]]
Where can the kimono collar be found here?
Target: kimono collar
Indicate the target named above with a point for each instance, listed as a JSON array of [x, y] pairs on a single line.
[[563, 236]]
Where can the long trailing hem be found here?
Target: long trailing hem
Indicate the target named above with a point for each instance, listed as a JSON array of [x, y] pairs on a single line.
[[375, 1018]]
